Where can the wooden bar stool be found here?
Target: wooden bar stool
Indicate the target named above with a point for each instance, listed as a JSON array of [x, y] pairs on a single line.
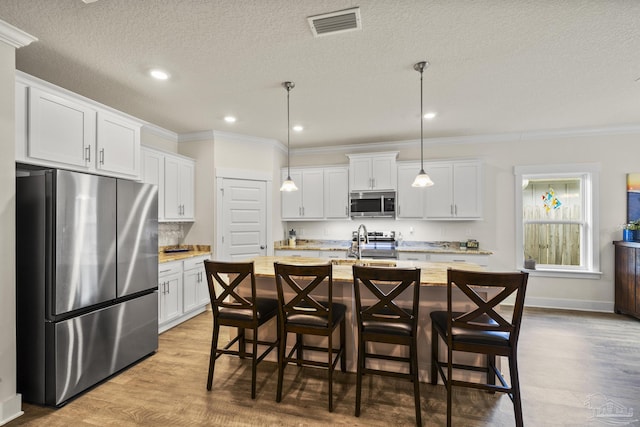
[[383, 318], [232, 309], [480, 330], [306, 307]]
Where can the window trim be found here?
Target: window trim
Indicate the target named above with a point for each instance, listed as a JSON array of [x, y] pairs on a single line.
[[590, 255]]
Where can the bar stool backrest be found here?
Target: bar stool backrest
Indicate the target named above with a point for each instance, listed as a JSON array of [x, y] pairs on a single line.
[[311, 286], [482, 316], [231, 277], [383, 302]]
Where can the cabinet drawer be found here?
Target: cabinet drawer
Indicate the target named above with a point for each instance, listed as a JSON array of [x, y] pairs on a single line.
[[169, 268], [297, 253], [482, 260], [413, 256], [333, 254], [193, 263]]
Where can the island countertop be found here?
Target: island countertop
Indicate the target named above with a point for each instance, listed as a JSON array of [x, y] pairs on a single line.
[[431, 273]]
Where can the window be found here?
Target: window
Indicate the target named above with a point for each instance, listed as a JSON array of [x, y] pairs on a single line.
[[557, 218]]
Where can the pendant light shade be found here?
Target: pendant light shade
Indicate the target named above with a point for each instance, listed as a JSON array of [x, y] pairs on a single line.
[[423, 179], [288, 184]]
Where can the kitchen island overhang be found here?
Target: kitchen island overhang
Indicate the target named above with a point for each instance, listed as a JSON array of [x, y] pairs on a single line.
[[433, 296]]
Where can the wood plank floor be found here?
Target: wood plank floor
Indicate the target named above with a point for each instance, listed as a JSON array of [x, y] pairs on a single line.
[[570, 364]]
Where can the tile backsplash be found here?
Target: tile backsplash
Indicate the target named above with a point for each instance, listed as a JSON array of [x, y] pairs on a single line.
[[170, 233]]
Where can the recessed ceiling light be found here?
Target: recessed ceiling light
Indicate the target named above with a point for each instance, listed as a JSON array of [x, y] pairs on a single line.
[[298, 128], [430, 116], [230, 119], [159, 74]]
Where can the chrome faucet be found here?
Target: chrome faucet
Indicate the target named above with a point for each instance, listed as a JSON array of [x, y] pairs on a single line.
[[366, 239]]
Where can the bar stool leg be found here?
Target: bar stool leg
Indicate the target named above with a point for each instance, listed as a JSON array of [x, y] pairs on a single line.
[[253, 363], [416, 381], [360, 368], [515, 387], [299, 351], [434, 355], [212, 356], [282, 363], [343, 347], [330, 359]]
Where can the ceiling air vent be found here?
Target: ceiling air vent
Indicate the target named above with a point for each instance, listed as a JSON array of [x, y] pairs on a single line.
[[335, 22]]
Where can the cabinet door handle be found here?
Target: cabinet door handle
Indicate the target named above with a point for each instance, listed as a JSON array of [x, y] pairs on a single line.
[[373, 183], [398, 210], [303, 211], [87, 153], [455, 210], [451, 209], [346, 211], [102, 156]]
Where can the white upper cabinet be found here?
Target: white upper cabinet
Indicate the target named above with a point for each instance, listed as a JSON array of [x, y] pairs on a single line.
[[457, 190], [60, 130], [118, 145], [372, 171], [153, 173], [308, 201], [410, 201], [336, 192], [57, 128], [174, 175], [178, 188]]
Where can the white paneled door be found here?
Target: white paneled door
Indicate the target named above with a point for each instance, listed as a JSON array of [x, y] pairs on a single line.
[[244, 219]]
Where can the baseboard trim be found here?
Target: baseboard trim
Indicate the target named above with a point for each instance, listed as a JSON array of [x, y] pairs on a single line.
[[570, 304], [10, 409]]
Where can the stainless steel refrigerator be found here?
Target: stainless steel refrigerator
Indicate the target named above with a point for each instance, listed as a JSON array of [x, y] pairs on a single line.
[[87, 277]]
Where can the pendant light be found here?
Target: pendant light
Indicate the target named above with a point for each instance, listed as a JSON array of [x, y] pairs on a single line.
[[288, 184], [422, 180]]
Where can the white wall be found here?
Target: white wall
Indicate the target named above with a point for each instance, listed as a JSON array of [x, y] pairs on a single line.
[[10, 402], [152, 139], [253, 155], [617, 154]]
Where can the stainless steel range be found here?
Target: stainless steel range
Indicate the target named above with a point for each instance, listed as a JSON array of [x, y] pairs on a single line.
[[378, 244]]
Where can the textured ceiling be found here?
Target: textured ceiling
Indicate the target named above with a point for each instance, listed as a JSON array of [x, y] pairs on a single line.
[[496, 65]]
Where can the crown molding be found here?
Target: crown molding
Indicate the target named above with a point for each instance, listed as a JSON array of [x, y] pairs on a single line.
[[161, 132], [473, 139], [205, 135], [14, 36], [248, 138]]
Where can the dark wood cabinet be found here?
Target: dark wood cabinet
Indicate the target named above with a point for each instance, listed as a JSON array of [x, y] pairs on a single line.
[[627, 278]]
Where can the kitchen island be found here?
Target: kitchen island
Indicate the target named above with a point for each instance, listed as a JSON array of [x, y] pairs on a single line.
[[433, 296]]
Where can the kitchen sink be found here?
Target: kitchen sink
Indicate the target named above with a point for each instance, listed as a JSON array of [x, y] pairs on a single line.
[[365, 262]]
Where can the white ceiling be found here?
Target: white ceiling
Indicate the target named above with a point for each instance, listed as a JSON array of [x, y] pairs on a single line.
[[496, 65]]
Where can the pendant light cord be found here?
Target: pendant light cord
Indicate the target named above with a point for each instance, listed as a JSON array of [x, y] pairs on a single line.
[[288, 136], [421, 126]]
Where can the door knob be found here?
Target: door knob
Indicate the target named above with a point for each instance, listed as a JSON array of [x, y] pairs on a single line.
[[261, 246]]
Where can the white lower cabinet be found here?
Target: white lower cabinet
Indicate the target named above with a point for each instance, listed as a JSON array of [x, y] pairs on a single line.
[[480, 259], [169, 292], [196, 290], [413, 256], [297, 253], [311, 253], [182, 291]]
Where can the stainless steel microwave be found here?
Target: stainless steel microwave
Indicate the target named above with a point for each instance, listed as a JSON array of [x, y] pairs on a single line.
[[373, 204]]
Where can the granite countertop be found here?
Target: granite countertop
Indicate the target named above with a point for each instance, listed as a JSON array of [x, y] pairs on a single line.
[[431, 273], [404, 246], [185, 252]]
